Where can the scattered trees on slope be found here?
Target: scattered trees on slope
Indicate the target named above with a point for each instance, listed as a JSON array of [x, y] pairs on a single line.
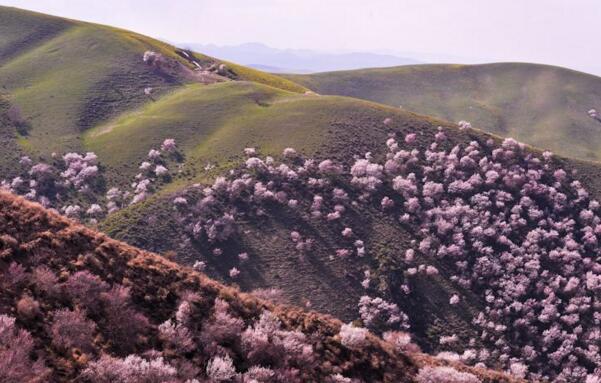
[[509, 225], [79, 178]]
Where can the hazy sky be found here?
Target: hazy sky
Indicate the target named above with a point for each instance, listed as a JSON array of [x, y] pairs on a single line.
[[560, 32]]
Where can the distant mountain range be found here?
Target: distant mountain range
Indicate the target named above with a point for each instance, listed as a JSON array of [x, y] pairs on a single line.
[[275, 60]]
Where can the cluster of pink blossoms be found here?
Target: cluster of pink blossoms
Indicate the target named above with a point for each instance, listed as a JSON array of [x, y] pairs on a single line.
[[510, 225], [198, 341], [55, 184], [76, 176]]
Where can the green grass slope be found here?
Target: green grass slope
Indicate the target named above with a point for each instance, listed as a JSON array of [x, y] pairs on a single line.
[[20, 30], [66, 82], [541, 105], [214, 123], [66, 76], [9, 152]]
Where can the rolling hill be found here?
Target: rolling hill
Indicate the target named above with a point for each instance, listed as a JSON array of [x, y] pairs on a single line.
[[73, 86], [231, 197], [541, 105], [63, 77]]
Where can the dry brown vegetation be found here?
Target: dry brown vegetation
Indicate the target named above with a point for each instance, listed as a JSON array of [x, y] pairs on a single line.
[[32, 236]]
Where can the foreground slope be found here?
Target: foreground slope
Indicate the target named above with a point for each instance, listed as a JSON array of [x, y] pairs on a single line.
[[540, 105], [82, 302]]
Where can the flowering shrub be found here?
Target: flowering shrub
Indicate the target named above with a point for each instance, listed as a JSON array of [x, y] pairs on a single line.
[[132, 369], [351, 336], [289, 152], [85, 288], [15, 348], [177, 336], [338, 378], [45, 281], [14, 278], [71, 329], [222, 326], [454, 299], [366, 175], [123, 323], [401, 341], [259, 374], [81, 170], [94, 210], [234, 272], [329, 167], [150, 56], [444, 375], [379, 315], [71, 211], [266, 343], [221, 369], [199, 266], [43, 180], [463, 125], [77, 176], [169, 145], [161, 171]]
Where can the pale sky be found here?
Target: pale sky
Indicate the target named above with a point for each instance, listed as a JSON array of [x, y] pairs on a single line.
[[558, 32]]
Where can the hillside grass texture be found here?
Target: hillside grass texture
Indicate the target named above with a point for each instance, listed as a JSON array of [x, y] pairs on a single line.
[[67, 77], [541, 105]]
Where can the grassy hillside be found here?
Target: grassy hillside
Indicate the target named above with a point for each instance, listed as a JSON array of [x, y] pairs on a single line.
[[349, 128], [214, 123], [66, 82], [541, 105], [323, 126], [66, 77]]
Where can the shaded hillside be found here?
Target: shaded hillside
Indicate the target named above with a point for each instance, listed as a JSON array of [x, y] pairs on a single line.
[[82, 301], [540, 105], [9, 127], [457, 232]]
